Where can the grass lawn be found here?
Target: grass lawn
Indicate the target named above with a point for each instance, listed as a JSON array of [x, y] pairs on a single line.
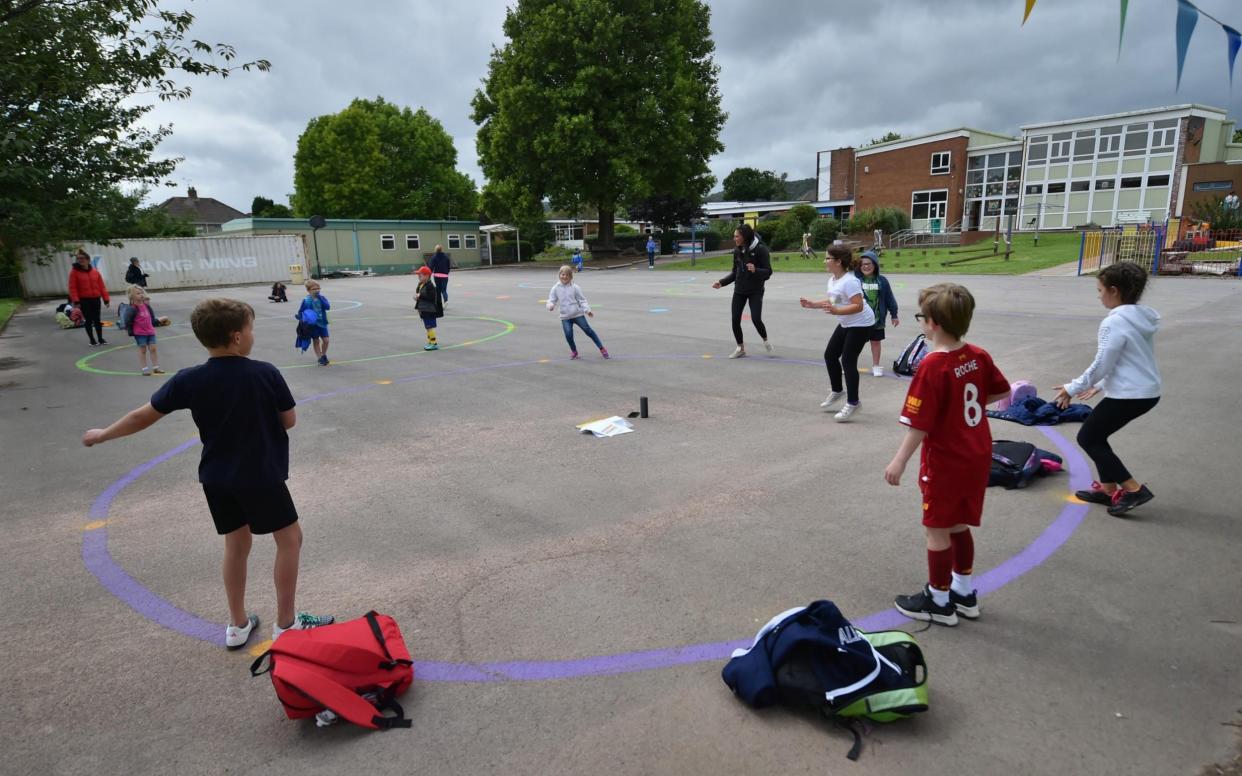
[[8, 306], [1055, 248]]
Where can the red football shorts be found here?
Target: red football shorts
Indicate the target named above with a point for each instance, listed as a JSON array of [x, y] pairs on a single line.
[[952, 498]]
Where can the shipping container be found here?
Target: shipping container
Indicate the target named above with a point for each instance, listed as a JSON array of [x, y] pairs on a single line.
[[170, 263]]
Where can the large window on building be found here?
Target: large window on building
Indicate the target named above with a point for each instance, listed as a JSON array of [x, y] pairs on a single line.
[[454, 242], [411, 242], [1163, 135], [940, 162], [993, 183], [472, 242], [388, 242], [1110, 142], [929, 204]]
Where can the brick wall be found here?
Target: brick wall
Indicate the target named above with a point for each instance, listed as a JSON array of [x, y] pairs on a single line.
[[889, 178], [1198, 173], [842, 184]]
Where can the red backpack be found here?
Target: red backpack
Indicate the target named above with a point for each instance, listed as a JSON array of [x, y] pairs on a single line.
[[329, 667]]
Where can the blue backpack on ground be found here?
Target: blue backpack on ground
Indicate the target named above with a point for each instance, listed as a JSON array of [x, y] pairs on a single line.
[[908, 362], [812, 657]]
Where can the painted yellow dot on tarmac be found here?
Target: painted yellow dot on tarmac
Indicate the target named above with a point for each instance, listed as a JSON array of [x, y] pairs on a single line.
[[1071, 498], [96, 525], [502, 297], [707, 355], [260, 648], [383, 382], [545, 361]]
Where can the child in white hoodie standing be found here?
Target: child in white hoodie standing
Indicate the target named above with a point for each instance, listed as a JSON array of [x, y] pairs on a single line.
[[1125, 370], [567, 298]]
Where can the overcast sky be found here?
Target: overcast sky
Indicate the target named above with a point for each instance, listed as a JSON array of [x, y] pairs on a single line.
[[796, 76]]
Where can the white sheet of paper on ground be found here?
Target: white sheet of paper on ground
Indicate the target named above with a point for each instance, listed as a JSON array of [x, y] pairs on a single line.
[[607, 427]]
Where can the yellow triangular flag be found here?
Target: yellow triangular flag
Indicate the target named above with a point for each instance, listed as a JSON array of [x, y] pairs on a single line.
[[1029, 5]]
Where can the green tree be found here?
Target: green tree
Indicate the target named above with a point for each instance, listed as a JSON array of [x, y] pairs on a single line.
[[747, 184], [594, 103], [888, 138], [666, 211], [804, 215], [375, 160], [77, 79], [1237, 136], [262, 207]]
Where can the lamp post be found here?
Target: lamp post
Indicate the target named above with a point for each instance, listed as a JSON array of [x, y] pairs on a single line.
[[317, 223]]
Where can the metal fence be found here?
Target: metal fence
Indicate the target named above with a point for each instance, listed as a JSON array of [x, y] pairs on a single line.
[[1141, 245], [1203, 251]]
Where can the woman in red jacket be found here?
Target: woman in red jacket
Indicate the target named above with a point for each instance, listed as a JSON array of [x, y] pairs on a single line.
[[86, 289]]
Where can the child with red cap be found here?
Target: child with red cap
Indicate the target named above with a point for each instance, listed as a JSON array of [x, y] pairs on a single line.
[[429, 306]]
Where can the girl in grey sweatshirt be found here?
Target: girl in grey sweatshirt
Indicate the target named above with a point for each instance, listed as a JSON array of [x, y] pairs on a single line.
[[567, 299]]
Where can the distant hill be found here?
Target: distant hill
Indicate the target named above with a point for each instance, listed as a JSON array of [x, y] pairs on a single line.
[[800, 189]]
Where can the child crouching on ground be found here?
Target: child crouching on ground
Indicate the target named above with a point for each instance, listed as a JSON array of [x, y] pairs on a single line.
[[566, 297], [429, 305], [243, 410], [944, 412]]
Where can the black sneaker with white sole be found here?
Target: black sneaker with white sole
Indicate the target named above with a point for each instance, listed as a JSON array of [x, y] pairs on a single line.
[[921, 606], [966, 605], [1129, 500]]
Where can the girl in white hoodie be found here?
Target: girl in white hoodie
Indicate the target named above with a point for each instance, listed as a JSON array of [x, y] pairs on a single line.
[[567, 299], [1125, 370]]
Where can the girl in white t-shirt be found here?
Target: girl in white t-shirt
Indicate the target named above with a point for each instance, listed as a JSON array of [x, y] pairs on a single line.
[[854, 318]]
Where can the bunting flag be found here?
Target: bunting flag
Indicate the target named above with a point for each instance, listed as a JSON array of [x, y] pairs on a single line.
[[1125, 6], [1235, 41], [1029, 5], [1187, 17]]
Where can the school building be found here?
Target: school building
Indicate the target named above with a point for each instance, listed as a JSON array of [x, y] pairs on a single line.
[[1143, 166], [386, 247]]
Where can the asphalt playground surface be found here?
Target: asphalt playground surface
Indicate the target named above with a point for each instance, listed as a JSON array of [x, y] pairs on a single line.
[[570, 601]]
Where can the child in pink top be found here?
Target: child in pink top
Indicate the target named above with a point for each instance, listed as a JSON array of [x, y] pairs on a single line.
[[139, 321]]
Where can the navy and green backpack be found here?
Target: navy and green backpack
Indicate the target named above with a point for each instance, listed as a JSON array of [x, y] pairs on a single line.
[[812, 657]]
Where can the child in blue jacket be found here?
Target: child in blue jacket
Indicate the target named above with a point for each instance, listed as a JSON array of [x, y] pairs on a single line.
[[318, 303], [879, 297]]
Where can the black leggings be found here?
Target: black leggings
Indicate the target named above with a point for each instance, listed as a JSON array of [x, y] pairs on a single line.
[[1108, 417], [842, 352], [90, 314], [756, 314]]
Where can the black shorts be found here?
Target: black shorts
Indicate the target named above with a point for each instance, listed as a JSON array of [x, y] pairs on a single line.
[[877, 333], [265, 508]]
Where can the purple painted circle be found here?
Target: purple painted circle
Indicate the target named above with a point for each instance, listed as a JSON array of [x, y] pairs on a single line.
[[116, 580]]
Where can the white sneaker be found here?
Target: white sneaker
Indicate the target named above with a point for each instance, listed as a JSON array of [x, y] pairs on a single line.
[[767, 346], [738, 352], [235, 637], [832, 399], [846, 412], [303, 621], [877, 371]]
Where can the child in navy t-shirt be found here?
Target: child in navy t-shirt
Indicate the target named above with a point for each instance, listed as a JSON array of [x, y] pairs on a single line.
[[243, 410]]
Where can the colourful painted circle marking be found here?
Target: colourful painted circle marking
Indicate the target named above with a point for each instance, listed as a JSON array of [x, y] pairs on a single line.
[[84, 363], [658, 310], [98, 560]]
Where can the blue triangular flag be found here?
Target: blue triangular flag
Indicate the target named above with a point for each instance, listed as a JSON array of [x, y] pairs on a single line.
[[1235, 41], [1187, 17]]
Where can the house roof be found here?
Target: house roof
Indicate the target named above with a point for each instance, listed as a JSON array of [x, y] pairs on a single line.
[[200, 210]]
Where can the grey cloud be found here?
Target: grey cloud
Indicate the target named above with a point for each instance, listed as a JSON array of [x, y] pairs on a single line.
[[796, 76]]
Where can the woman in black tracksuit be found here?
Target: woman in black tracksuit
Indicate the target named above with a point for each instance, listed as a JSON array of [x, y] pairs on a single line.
[[751, 269]]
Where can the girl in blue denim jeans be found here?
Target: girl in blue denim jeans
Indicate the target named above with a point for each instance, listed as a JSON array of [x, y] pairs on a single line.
[[567, 298]]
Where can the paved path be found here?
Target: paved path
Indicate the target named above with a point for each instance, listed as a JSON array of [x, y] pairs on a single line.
[[570, 600]]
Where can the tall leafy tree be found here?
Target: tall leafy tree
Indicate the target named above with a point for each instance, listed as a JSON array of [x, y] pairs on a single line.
[[665, 211], [375, 160], [597, 103], [75, 80], [747, 184]]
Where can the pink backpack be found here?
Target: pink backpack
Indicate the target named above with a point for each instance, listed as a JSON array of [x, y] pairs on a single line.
[[1019, 391]]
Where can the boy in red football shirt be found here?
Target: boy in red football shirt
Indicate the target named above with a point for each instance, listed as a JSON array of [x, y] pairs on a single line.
[[944, 411]]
